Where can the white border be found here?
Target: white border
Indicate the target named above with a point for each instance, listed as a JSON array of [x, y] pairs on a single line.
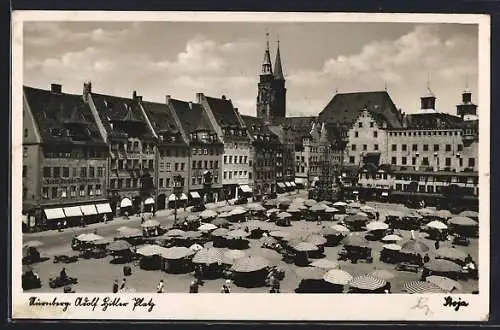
[[286, 307]]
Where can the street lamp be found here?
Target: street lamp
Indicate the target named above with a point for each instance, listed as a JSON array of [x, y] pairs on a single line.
[[178, 188]]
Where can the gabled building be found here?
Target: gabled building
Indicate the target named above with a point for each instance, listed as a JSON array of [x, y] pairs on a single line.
[[173, 151], [132, 147], [64, 159], [230, 127], [263, 151], [205, 150]]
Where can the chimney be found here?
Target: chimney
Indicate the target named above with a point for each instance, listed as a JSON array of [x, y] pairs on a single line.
[[199, 97], [236, 110], [167, 99], [134, 95], [56, 88], [223, 97], [87, 89]]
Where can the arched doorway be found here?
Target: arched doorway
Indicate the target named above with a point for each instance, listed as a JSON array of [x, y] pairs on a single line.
[[136, 204], [161, 201]]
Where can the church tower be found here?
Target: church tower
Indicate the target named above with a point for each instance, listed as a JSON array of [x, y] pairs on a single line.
[[271, 96], [467, 108]]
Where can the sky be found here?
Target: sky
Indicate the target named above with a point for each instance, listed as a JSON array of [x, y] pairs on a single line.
[[319, 59]]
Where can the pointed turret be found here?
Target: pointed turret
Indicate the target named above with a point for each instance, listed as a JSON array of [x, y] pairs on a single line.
[[266, 64], [278, 70], [428, 101]]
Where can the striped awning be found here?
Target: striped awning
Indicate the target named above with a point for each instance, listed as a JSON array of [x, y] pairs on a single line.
[[73, 211], [88, 209], [55, 213], [103, 208], [194, 194], [246, 188]]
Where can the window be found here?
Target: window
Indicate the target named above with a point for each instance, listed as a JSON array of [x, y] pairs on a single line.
[[426, 147], [414, 161], [460, 147], [199, 180], [245, 159], [472, 162], [448, 147], [176, 167], [360, 124], [365, 147], [436, 147], [64, 192], [211, 164], [57, 172], [161, 183], [112, 183], [414, 147], [351, 159], [120, 183], [250, 175], [353, 147], [167, 182], [447, 161], [356, 134], [217, 164], [375, 134], [182, 166], [91, 172], [25, 170], [46, 173], [25, 152], [404, 147], [98, 191], [54, 192], [375, 147], [460, 162], [205, 151], [205, 163], [393, 161], [100, 172], [225, 159], [403, 160], [225, 175], [45, 193], [371, 124], [25, 132], [394, 147], [151, 164], [425, 161], [90, 190], [193, 180], [199, 164], [230, 159], [194, 164], [230, 175], [72, 191], [128, 182], [83, 172]]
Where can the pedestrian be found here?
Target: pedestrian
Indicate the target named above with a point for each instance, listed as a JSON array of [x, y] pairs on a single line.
[[160, 287], [124, 283], [105, 219], [82, 222], [193, 287], [154, 211], [377, 214], [126, 215], [436, 245], [59, 226], [142, 220], [62, 275], [65, 224], [226, 287], [319, 220], [115, 286]]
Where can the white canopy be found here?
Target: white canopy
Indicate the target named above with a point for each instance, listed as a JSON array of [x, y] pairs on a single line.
[[300, 180], [287, 184], [88, 209], [56, 213], [125, 202], [194, 194], [172, 197], [292, 184], [245, 188], [73, 211], [103, 208], [149, 201], [281, 185]]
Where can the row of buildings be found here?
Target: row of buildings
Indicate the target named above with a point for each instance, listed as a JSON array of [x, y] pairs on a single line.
[[96, 149]]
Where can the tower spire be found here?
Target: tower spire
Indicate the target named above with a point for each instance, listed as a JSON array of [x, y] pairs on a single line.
[[278, 69], [266, 64]]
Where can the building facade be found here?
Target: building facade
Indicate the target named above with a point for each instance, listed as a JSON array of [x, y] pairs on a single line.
[[64, 159]]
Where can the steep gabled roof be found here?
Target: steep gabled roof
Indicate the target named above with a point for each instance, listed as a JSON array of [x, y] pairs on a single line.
[[256, 126], [193, 118], [53, 112], [344, 108], [114, 108], [224, 112], [160, 117]]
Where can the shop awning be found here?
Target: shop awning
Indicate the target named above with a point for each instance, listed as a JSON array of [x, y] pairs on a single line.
[[56, 213], [194, 194], [385, 194], [355, 192], [172, 197], [73, 211], [125, 202], [149, 201], [300, 181], [281, 184], [292, 184], [103, 208], [245, 188], [88, 209], [287, 184]]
